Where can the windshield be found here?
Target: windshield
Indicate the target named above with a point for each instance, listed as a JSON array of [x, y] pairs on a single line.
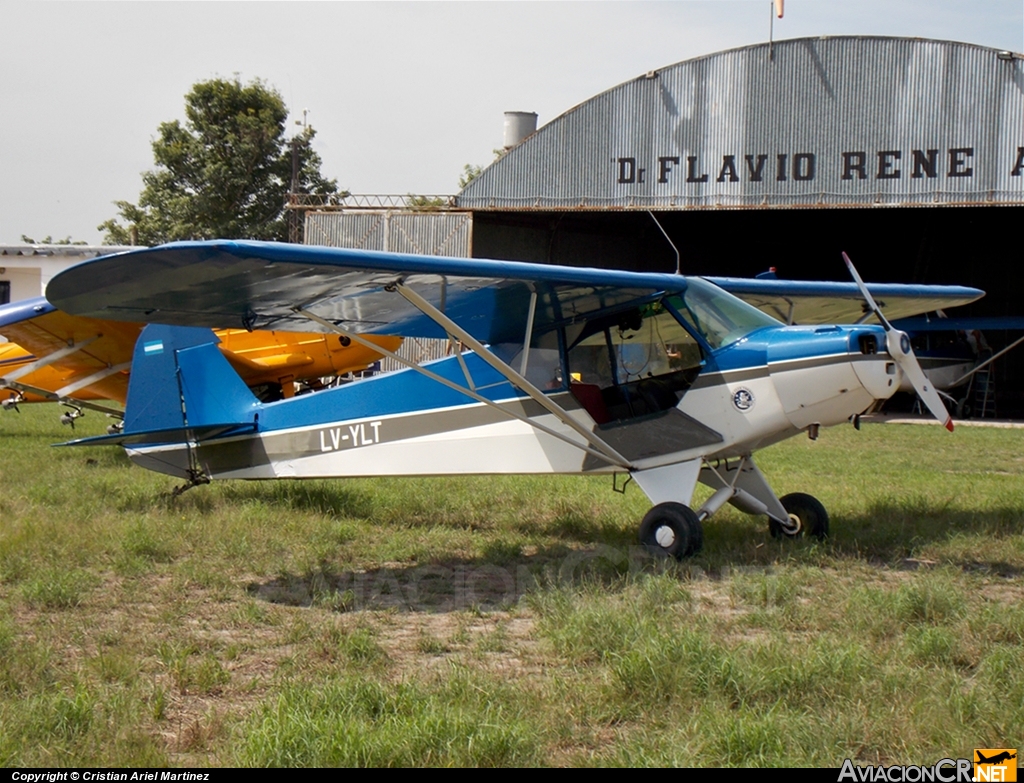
[[717, 316]]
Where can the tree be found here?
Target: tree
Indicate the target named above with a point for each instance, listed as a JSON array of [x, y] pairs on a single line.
[[225, 173], [470, 172], [421, 203]]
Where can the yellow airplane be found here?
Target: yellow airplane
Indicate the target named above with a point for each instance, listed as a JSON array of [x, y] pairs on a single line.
[[84, 362]]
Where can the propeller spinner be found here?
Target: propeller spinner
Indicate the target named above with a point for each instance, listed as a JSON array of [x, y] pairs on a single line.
[[898, 345]]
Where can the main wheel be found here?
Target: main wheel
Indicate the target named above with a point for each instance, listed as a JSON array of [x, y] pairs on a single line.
[[672, 529], [806, 513]]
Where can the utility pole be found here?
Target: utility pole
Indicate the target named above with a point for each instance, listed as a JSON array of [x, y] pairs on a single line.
[[296, 216]]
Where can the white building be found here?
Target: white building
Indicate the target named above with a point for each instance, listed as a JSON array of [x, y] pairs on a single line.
[[26, 269]]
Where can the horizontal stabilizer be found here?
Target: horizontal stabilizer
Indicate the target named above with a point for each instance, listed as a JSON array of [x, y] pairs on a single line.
[[171, 435]]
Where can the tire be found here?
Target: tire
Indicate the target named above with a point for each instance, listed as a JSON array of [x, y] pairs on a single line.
[[671, 530], [807, 511]]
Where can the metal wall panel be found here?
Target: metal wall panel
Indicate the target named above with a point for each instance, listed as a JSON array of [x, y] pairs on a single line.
[[417, 350], [423, 233], [844, 121]]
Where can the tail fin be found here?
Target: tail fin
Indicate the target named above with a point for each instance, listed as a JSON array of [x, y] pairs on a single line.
[[180, 379]]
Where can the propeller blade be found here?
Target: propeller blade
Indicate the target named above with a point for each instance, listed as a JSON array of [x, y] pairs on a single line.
[[866, 294], [898, 345]]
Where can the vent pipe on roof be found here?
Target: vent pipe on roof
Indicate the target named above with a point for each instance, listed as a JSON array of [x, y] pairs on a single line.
[[518, 125]]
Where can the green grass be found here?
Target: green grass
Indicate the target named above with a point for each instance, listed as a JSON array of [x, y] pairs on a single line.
[[490, 621], [461, 721]]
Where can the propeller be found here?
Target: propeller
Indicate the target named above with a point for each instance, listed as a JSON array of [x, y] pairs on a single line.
[[898, 344]]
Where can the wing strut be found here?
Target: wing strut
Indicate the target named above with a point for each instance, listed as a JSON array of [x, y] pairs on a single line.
[[106, 372], [616, 460], [529, 332], [510, 375], [46, 394], [785, 317], [49, 359]]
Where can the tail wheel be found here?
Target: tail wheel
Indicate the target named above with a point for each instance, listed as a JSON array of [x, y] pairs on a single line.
[[671, 529], [806, 513]]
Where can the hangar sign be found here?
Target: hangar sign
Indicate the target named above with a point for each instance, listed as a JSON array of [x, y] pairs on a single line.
[[955, 162]]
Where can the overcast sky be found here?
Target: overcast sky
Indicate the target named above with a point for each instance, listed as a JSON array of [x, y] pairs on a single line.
[[402, 94]]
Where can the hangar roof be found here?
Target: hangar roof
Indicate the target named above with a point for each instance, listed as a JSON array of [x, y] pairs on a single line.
[[807, 122]]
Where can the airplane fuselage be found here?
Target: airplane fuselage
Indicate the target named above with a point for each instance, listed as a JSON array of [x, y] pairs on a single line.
[[764, 388]]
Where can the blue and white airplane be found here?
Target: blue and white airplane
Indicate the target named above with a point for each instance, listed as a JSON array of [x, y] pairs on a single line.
[[553, 370]]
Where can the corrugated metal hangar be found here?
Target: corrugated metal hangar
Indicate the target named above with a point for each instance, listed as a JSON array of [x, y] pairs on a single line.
[[906, 153]]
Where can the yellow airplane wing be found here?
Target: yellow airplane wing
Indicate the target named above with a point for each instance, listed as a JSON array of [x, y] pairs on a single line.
[[52, 355], [78, 358], [281, 358]]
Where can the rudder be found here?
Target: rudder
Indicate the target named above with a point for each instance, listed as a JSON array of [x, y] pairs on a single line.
[[180, 378]]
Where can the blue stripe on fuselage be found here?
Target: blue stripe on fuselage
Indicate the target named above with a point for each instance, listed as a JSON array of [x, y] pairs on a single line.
[[788, 343], [405, 391]]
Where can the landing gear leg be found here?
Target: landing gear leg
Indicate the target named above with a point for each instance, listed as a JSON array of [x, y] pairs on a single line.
[[741, 484], [12, 402], [674, 529], [197, 476], [195, 480]]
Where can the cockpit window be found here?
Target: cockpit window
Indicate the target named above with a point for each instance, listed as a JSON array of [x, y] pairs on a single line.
[[643, 342], [718, 317], [632, 363]]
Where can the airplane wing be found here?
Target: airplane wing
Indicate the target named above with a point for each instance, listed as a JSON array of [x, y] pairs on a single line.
[[808, 302], [262, 285], [69, 356]]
